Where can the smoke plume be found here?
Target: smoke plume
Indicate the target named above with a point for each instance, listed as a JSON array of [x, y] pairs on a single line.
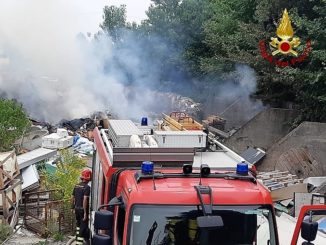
[[58, 74]]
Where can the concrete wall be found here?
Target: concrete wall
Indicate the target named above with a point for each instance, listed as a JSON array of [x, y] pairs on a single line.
[[302, 151], [263, 130]]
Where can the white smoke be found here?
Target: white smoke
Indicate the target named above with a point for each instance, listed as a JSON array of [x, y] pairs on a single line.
[[58, 74], [231, 99], [51, 71]]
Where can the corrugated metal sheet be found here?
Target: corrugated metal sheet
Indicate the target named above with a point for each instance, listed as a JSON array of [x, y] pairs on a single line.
[[253, 155], [124, 127], [35, 156], [30, 178]]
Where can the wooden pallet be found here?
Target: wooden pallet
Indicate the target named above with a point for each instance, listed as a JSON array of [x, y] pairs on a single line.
[[8, 168], [282, 184], [10, 197]]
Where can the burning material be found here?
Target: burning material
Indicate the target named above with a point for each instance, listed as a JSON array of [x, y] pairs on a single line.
[[215, 122], [76, 124], [176, 102]]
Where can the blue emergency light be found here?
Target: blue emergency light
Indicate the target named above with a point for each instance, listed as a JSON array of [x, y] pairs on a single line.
[[144, 121], [242, 168], [147, 167]]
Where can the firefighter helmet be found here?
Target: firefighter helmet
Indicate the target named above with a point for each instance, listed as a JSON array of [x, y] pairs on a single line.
[[86, 174]]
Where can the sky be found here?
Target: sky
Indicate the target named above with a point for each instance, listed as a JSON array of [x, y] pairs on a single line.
[[90, 11], [81, 15]]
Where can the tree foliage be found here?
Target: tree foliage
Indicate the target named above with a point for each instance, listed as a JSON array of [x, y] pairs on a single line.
[[66, 175], [205, 39], [114, 19], [13, 122]]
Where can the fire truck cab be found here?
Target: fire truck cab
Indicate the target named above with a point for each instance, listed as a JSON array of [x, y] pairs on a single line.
[[176, 195]]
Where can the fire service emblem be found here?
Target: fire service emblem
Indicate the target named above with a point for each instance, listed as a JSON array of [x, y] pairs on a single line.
[[284, 45]]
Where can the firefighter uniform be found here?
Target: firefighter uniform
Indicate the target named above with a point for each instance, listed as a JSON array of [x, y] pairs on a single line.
[[81, 191]]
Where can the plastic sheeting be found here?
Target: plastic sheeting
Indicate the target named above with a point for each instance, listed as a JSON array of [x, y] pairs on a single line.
[[82, 145]]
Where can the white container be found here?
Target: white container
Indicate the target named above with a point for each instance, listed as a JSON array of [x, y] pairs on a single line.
[[150, 141], [62, 132], [180, 139], [135, 141], [55, 141], [120, 131]]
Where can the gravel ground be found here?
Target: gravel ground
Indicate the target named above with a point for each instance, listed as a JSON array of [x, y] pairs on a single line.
[[23, 236]]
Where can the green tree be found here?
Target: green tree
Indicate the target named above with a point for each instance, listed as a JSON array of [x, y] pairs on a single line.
[[179, 25], [205, 39], [66, 175], [232, 36], [13, 122], [114, 20]]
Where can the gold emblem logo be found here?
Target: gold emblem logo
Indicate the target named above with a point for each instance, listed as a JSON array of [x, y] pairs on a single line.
[[285, 43]]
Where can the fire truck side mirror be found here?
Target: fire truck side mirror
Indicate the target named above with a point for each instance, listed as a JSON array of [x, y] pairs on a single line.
[[103, 220], [115, 201], [210, 221], [309, 230]]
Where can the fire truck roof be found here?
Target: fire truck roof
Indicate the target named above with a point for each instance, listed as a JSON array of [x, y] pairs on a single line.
[[176, 190]]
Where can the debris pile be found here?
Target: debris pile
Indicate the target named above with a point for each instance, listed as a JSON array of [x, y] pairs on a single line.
[[83, 146], [38, 149], [215, 121], [10, 188], [282, 184], [27, 163], [32, 138], [174, 102], [290, 193]]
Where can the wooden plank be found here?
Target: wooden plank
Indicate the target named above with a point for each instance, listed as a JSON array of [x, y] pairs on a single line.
[[287, 192], [6, 177]]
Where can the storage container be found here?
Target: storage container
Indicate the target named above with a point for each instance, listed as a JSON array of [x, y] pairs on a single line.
[[120, 131], [180, 139]]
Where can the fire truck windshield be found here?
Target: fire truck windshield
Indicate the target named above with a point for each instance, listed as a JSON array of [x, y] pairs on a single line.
[[177, 225]]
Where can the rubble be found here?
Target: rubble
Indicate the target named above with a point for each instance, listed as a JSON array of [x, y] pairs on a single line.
[[282, 184], [32, 138], [76, 124], [215, 122], [316, 181]]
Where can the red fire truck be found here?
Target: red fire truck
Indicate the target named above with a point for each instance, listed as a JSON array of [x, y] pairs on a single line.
[[185, 190]]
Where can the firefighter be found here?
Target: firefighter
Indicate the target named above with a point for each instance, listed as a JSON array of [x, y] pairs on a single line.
[[80, 203]]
